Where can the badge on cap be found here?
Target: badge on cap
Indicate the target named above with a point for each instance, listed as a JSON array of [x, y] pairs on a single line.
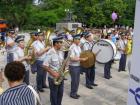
[[60, 38], [19, 38], [11, 31]]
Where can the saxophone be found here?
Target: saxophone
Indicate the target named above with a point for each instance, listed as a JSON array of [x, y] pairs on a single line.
[[62, 71]]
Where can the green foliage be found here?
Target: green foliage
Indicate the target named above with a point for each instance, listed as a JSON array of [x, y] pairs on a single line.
[[91, 12], [15, 11], [98, 12]]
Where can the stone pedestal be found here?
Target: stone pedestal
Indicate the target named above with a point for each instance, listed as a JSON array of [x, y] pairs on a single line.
[[69, 26]]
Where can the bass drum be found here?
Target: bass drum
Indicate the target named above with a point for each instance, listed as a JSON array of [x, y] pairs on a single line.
[[105, 50], [90, 61]]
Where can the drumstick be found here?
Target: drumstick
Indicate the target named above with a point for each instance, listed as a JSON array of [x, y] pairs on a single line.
[[98, 52]]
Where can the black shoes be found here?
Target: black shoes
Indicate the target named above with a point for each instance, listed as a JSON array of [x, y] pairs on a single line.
[[40, 90], [45, 86], [88, 86], [74, 96], [121, 70], [106, 77], [78, 95], [94, 84]]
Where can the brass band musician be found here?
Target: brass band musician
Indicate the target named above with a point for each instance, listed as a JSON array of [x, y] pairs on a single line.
[[19, 56], [90, 71], [52, 64], [74, 66], [40, 54]]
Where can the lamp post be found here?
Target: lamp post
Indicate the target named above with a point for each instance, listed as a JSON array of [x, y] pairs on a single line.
[[37, 2], [68, 15]]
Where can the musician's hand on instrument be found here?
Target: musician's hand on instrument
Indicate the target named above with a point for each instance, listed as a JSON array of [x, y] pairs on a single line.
[[75, 58], [29, 57], [26, 57], [56, 75], [84, 59], [123, 50], [47, 48]]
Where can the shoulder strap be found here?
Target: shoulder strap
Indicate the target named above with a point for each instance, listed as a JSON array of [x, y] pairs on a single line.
[[87, 43], [37, 99]]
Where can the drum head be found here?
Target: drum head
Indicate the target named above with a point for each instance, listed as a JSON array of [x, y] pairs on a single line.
[[90, 61], [105, 50]]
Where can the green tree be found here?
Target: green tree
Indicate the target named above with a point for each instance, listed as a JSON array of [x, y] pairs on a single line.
[[15, 11], [48, 13], [98, 12], [95, 13]]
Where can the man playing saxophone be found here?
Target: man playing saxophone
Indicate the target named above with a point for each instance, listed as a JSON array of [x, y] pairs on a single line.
[[52, 64]]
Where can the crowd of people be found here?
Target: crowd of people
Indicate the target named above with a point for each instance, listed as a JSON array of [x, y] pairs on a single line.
[[47, 59]]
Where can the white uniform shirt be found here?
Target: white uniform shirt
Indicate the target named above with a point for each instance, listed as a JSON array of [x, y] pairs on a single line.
[[74, 52], [54, 59], [82, 41], [3, 58], [38, 46], [33, 44], [121, 45], [10, 49], [87, 46], [19, 53]]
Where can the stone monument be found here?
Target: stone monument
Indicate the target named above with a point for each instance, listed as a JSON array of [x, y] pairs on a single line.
[[68, 22], [68, 25]]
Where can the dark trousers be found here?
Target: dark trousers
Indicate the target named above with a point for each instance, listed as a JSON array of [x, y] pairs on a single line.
[[122, 62], [90, 75], [82, 70], [107, 68], [34, 67], [10, 57], [56, 92], [26, 77], [75, 79], [41, 75]]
